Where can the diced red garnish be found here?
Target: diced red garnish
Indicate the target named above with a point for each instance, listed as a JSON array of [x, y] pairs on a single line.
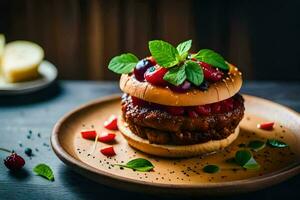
[[108, 151], [211, 73], [155, 75], [90, 135], [111, 123], [175, 110], [203, 110], [266, 125], [192, 114], [110, 137]]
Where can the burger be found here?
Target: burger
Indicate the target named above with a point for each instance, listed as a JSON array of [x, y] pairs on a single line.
[[177, 103]]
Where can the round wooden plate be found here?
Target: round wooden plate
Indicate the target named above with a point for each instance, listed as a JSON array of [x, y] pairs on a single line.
[[181, 176]]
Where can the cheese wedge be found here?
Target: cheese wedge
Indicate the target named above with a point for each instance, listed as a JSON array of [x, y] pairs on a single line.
[[20, 61]]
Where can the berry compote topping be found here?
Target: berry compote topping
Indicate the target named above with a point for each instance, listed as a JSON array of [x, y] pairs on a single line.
[[142, 67], [155, 75], [211, 73], [226, 105]]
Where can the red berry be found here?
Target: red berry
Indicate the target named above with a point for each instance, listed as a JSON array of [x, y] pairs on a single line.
[[203, 110], [14, 162], [175, 110], [108, 151], [111, 123], [210, 73], [186, 85], [107, 138], [141, 67], [90, 135], [155, 75]]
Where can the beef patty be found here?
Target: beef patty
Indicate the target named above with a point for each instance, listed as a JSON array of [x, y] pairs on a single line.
[[160, 127]]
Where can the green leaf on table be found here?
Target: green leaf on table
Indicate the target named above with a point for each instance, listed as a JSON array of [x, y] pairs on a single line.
[[276, 143], [256, 145], [139, 164], [183, 49], [194, 73], [245, 159], [211, 57], [176, 75], [44, 171], [164, 53], [211, 169], [123, 64]]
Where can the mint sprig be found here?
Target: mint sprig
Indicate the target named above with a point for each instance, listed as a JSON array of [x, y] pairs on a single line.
[[176, 75], [177, 59], [123, 64], [194, 73], [44, 171], [245, 159], [211, 57], [183, 49], [164, 53], [139, 164]]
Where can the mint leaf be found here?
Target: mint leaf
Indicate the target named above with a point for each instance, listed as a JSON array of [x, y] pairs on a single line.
[[164, 53], [123, 64], [194, 72], [212, 58], [183, 48], [44, 171], [245, 159], [276, 143], [211, 169], [256, 145], [139, 164], [176, 75]]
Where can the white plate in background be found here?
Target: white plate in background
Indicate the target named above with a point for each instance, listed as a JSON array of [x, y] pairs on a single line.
[[48, 74]]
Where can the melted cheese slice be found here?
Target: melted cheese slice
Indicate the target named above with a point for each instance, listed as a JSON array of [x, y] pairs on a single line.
[[20, 61]]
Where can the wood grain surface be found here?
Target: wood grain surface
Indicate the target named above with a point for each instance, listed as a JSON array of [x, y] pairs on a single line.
[[39, 112]]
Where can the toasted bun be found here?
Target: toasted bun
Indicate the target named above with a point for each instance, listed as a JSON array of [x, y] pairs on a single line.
[[163, 95], [173, 150]]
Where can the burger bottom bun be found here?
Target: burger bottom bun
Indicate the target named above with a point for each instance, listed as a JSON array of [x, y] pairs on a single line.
[[174, 150]]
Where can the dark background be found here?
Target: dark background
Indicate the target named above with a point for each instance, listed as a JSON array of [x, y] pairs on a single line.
[[80, 36]]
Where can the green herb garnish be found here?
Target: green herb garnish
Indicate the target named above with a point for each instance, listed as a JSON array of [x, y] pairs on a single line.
[[256, 145], [44, 171], [139, 164], [212, 58], [245, 159], [211, 169], [276, 143], [123, 64], [177, 59]]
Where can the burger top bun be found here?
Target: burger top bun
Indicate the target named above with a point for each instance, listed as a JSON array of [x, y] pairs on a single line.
[[218, 91]]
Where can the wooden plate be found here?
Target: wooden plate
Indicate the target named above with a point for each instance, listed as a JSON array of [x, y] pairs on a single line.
[[48, 74], [181, 176]]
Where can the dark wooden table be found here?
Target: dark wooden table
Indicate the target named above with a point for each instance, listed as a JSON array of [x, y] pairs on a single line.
[[37, 113]]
